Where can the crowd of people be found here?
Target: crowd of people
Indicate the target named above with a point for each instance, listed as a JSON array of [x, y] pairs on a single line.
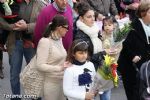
[[70, 45]]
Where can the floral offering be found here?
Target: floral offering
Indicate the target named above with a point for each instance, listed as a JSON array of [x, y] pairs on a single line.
[[109, 70]]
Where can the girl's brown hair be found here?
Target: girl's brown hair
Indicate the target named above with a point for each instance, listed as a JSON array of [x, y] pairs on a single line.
[[77, 45], [143, 8], [109, 19]]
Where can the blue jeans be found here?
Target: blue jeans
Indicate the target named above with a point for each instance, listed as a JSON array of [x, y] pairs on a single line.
[[106, 95], [15, 61]]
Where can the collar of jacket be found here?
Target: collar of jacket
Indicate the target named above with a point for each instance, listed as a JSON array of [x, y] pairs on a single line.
[[76, 62], [137, 26], [57, 8]]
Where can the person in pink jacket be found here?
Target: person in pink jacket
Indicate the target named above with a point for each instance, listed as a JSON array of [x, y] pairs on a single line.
[[47, 14]]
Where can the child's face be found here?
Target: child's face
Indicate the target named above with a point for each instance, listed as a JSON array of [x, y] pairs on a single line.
[[81, 56], [108, 27]]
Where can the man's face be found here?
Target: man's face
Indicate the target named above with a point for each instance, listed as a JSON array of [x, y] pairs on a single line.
[[61, 4]]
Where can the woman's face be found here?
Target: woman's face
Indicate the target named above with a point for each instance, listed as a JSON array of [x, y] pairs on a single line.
[[63, 30], [81, 56], [88, 18], [147, 17]]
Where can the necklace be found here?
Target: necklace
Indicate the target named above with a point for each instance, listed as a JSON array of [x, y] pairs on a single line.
[[55, 36]]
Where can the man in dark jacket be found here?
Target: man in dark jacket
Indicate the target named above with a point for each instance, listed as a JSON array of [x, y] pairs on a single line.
[[103, 8]]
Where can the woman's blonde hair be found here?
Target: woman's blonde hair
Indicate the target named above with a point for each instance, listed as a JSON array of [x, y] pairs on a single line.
[[143, 8]]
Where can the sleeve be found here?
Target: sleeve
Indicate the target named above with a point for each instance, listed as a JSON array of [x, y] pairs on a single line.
[[128, 45], [30, 27], [7, 9], [93, 70], [113, 8], [68, 86], [39, 27], [4, 25], [42, 57]]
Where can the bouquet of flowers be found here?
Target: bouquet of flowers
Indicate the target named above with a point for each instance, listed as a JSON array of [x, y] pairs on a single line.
[[123, 32], [109, 69]]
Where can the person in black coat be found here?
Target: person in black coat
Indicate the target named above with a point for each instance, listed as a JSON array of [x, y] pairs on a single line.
[[135, 51]]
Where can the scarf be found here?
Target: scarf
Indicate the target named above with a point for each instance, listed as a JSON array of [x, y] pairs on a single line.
[[76, 62], [92, 32]]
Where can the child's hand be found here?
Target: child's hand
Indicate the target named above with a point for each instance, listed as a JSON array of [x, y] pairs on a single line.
[[96, 92], [111, 51], [89, 95]]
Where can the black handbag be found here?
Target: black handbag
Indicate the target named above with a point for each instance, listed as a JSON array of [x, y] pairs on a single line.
[[144, 88], [98, 58]]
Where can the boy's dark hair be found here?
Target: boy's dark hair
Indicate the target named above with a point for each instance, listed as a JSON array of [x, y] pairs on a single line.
[[77, 45], [57, 21]]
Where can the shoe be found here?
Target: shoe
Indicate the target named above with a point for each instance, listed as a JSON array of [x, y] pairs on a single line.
[[1, 74]]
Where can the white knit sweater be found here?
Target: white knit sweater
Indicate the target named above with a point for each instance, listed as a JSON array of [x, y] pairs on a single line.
[[70, 82]]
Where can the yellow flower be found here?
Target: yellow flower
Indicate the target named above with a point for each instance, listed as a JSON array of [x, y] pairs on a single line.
[[108, 70], [116, 78], [107, 60]]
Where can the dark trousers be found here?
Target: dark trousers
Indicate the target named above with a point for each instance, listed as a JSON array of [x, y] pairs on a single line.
[[131, 84], [1, 59]]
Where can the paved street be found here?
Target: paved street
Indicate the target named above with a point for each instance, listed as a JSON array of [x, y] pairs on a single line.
[[117, 93]]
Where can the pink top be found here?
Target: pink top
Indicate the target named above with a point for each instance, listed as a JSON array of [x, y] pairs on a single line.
[[46, 16]]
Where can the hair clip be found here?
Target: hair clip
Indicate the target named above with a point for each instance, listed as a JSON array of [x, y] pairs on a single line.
[[80, 43]]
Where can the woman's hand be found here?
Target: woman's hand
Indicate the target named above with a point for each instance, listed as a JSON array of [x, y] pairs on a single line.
[[2, 1], [136, 59], [67, 64]]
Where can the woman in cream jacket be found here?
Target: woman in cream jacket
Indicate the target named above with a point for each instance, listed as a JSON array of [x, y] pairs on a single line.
[[51, 56]]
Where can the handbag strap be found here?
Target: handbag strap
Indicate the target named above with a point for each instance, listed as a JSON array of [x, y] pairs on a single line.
[[146, 74], [50, 44]]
